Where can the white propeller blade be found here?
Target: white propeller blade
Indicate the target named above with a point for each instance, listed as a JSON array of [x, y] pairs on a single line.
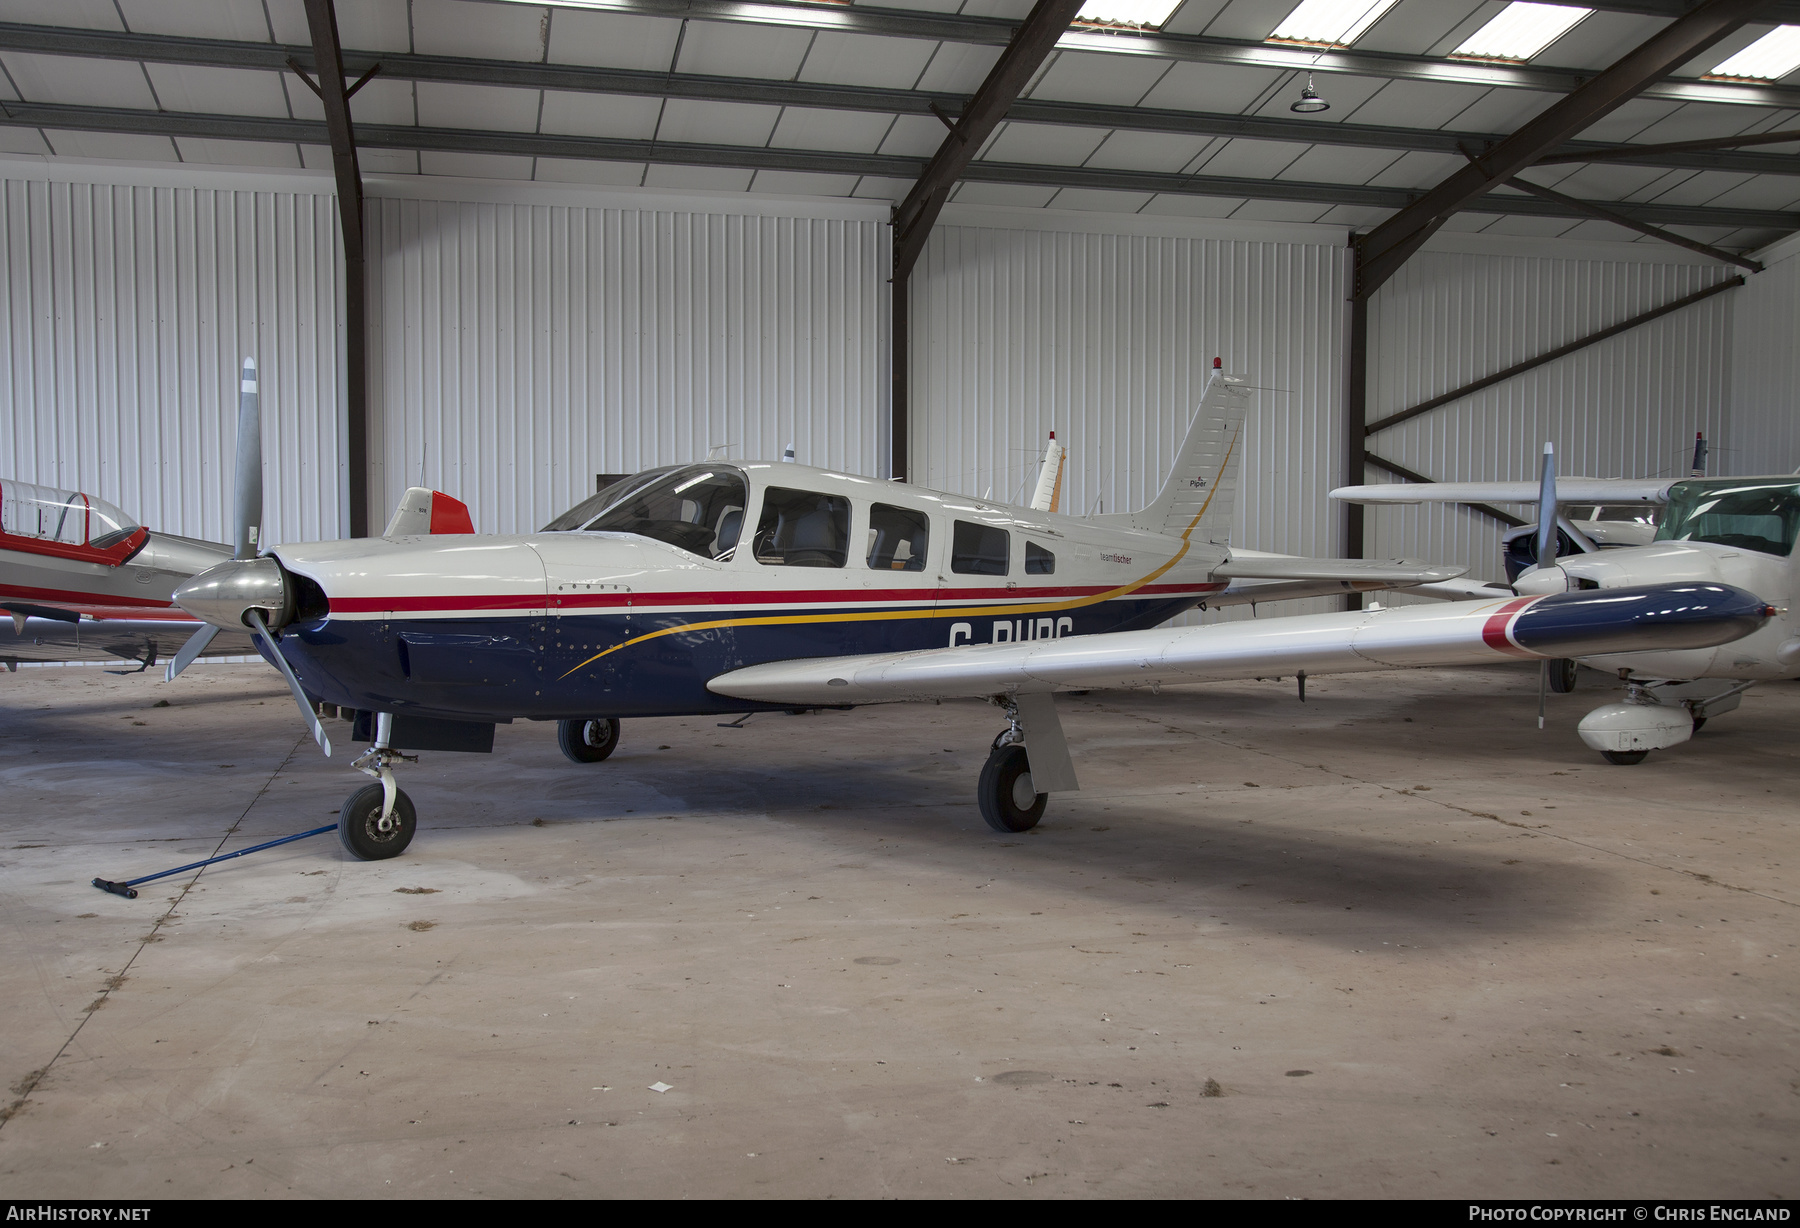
[[249, 465], [306, 710], [1546, 551], [248, 504], [1546, 527], [196, 645]]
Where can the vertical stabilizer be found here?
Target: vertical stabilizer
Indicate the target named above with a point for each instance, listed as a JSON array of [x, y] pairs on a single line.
[[1200, 495]]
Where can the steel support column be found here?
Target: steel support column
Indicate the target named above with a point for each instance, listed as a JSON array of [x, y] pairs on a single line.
[[328, 61]]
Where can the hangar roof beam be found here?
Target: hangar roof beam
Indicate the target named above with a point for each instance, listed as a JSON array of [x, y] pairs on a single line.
[[1383, 250], [574, 78]]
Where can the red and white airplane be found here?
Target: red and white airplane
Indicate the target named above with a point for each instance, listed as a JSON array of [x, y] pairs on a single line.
[[83, 581], [722, 588]]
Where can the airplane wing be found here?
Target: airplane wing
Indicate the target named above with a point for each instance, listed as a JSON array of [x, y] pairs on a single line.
[[94, 611], [1644, 618], [1245, 565], [1568, 490]]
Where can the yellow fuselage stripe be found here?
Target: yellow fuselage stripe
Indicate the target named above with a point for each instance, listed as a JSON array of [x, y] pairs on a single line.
[[976, 611]]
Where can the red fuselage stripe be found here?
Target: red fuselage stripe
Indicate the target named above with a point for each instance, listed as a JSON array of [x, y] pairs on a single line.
[[23, 592], [1493, 631]]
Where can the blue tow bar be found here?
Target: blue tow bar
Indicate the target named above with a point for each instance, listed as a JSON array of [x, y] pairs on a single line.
[[128, 888]]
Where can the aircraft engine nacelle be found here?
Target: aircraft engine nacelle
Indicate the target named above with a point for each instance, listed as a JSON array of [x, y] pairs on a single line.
[[225, 594]]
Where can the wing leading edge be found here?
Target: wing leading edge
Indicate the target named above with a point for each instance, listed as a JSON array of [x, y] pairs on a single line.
[[1604, 491], [1644, 618]]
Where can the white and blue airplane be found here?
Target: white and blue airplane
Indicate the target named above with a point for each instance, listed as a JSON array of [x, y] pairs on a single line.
[[1732, 531], [719, 588]]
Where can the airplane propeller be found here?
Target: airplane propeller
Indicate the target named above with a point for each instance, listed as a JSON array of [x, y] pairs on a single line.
[[261, 622], [226, 585], [248, 504], [1546, 552]]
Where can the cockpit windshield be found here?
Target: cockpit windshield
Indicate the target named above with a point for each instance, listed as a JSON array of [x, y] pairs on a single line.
[[699, 509], [68, 518], [578, 516], [1752, 515]]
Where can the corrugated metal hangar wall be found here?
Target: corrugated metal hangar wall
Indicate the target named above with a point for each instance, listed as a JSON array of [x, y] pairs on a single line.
[[531, 338]]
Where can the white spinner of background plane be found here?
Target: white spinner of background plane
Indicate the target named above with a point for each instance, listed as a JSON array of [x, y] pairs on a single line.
[[729, 588], [1735, 531]]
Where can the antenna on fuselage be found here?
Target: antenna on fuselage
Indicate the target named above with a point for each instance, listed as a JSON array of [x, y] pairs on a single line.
[[788, 455], [1699, 467]]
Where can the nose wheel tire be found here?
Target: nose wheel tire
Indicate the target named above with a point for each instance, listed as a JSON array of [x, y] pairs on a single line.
[[589, 740], [363, 834], [1624, 758], [1008, 800]]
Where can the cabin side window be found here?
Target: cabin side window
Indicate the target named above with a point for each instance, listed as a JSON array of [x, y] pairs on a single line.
[[1039, 561], [980, 549], [898, 537], [803, 528]]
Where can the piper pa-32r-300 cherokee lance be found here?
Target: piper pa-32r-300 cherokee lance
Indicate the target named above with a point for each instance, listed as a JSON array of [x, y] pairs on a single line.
[[727, 588]]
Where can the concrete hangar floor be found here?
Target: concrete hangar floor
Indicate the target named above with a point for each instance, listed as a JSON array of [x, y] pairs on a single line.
[[1391, 943]]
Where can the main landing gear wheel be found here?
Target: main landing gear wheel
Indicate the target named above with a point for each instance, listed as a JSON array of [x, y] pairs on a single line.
[[1008, 800], [589, 740], [1562, 675], [362, 832], [1624, 758]]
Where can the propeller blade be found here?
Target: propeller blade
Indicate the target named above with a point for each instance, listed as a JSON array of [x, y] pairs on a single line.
[[195, 645], [249, 465], [312, 718], [1546, 538]]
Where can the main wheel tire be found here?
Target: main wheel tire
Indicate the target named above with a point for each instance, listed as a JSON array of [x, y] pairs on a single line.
[[589, 740], [1624, 758], [360, 830], [1562, 675], [1008, 800]]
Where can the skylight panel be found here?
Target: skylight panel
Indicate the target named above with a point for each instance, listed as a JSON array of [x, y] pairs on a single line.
[[1138, 14], [1521, 30], [1331, 23], [1769, 58]]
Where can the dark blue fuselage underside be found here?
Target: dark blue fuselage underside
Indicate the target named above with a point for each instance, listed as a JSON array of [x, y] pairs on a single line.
[[537, 668]]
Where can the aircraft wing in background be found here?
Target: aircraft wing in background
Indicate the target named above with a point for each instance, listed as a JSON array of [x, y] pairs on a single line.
[[1601, 491]]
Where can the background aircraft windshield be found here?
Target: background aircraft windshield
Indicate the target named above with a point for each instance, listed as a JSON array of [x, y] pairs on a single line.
[[699, 509], [1760, 516], [68, 517]]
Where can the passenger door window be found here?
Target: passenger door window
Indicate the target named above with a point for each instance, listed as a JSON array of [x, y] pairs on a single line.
[[980, 549], [802, 528], [898, 537]]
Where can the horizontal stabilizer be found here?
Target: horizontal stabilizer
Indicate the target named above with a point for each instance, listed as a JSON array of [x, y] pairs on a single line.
[[1652, 617], [1611, 491], [1374, 571]]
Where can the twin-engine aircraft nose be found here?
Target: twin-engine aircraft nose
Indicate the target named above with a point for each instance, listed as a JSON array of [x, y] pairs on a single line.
[[225, 594]]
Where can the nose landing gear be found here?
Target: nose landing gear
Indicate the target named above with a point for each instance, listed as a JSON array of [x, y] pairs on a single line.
[[378, 820]]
